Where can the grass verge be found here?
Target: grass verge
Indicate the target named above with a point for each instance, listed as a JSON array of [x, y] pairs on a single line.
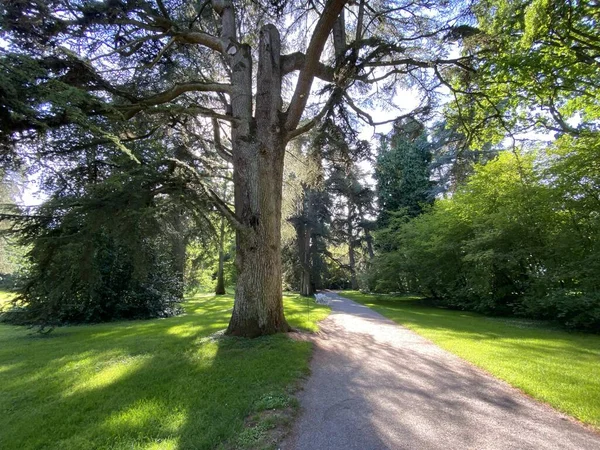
[[156, 384], [557, 367], [5, 298]]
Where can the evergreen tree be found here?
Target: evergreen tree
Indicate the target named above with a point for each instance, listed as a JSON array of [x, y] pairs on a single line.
[[402, 171], [101, 76], [353, 201]]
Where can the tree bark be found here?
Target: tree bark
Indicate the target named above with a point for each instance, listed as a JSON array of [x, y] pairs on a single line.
[[220, 289], [369, 240], [179, 248], [352, 258], [351, 254], [258, 152]]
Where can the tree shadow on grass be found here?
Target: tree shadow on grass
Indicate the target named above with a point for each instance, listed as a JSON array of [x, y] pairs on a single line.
[[148, 384], [423, 314]]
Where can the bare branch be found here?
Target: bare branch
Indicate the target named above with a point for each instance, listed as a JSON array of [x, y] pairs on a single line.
[[181, 88], [192, 110], [360, 20], [339, 38], [163, 10], [364, 115], [174, 92], [424, 64], [197, 37], [557, 116], [134, 45]]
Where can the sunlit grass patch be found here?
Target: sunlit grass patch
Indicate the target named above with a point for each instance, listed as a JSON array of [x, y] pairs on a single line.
[[163, 384], [5, 299], [557, 367], [304, 313]]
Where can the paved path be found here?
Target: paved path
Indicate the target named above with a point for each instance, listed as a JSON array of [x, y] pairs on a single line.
[[376, 385]]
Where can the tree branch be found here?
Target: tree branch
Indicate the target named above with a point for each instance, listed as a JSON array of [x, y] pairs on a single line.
[[295, 61], [337, 261], [212, 196], [324, 26], [315, 120], [162, 52], [197, 37], [364, 115], [181, 88], [423, 64], [132, 110], [218, 144]]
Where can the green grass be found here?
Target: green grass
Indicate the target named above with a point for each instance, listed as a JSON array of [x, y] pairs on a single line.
[[557, 367], [5, 298], [156, 384]]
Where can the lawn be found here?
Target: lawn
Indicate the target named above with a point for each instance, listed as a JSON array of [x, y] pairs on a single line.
[[557, 367], [5, 298], [155, 384]]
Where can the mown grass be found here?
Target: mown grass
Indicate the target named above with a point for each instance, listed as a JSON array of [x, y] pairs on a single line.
[[557, 367], [5, 298], [156, 384]]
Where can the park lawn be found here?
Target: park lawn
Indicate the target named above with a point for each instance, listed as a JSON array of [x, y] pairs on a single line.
[[154, 384], [5, 298], [558, 367]]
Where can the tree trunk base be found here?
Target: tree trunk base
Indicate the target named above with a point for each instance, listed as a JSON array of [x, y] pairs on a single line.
[[251, 329]]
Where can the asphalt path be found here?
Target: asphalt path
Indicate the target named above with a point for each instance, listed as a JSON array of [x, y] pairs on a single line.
[[377, 385]]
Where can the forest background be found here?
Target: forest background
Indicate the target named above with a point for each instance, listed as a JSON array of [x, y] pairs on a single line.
[[143, 181]]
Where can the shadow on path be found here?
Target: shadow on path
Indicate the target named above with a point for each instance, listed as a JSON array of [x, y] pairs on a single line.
[[377, 385]]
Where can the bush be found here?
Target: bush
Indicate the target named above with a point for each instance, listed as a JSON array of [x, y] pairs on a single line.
[[571, 308], [95, 264], [95, 281], [519, 238]]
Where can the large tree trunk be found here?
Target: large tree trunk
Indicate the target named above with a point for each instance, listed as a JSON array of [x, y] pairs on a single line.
[[369, 240], [220, 289], [178, 249], [352, 258], [258, 151]]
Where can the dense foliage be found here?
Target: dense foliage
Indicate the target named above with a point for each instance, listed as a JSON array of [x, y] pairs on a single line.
[[522, 236], [402, 171], [96, 279], [104, 251], [536, 69]]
